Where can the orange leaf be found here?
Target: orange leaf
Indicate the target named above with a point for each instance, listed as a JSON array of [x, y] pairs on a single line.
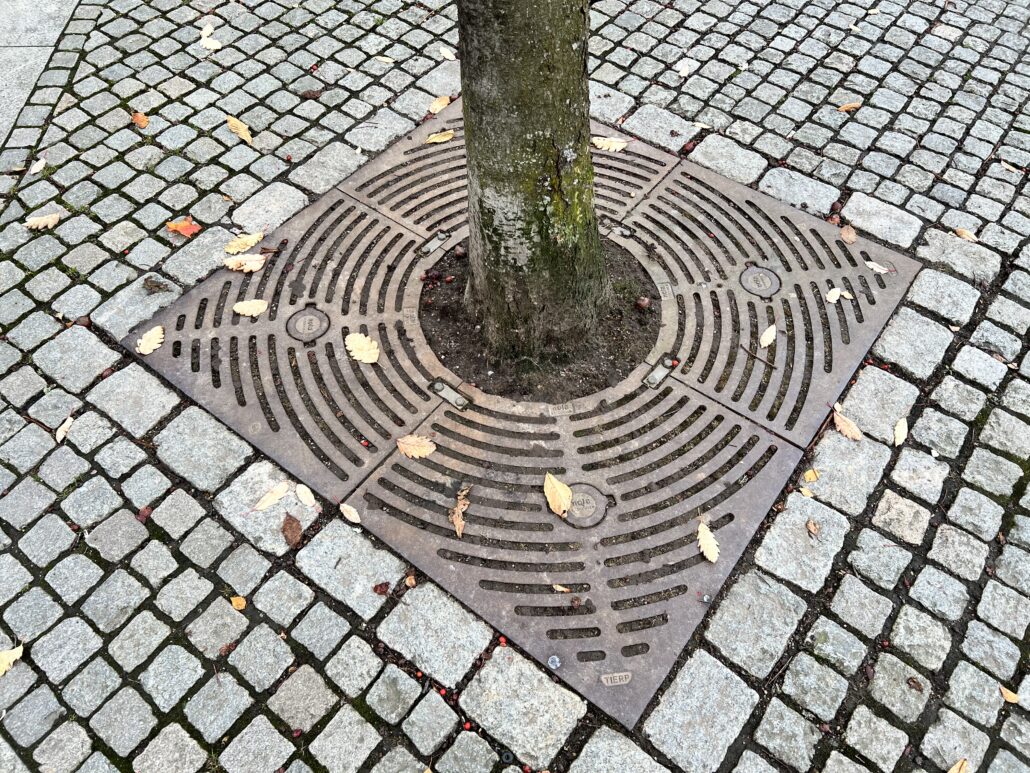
[[186, 227], [140, 120]]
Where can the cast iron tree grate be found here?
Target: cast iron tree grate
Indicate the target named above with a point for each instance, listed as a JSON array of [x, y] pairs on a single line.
[[717, 436]]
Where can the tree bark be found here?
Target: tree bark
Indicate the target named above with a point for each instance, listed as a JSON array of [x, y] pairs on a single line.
[[538, 275]]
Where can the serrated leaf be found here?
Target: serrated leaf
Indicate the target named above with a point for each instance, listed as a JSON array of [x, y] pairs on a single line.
[[240, 129], [966, 234], [140, 119], [185, 227], [845, 426], [9, 657], [447, 54], [962, 766], [900, 431], [439, 104], [362, 348], [350, 513], [610, 144], [849, 107], [238, 603], [706, 542], [456, 515], [415, 446], [438, 137], [558, 495], [876, 268], [848, 234], [292, 530], [151, 340], [43, 222], [62, 431], [768, 336], [271, 497], [243, 242], [247, 264], [1008, 695], [833, 295], [304, 496], [252, 308]]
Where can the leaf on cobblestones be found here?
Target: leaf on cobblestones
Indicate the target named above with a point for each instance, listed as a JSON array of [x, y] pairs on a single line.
[[806, 492], [558, 495], [410, 581], [381, 589], [768, 336], [210, 43], [446, 53], [208, 30], [252, 308], [238, 603], [811, 475], [151, 341], [813, 528], [848, 234], [292, 530], [248, 263], [140, 119], [610, 144], [962, 766], [8, 658], [415, 446], [966, 235], [439, 104], [38, 165], [876, 268], [1008, 695], [914, 683], [243, 242], [456, 514], [185, 227], [350, 513], [43, 222], [277, 492], [362, 348], [305, 497], [849, 107], [873, 12], [1011, 168], [62, 431], [240, 129], [384, 59], [706, 542], [844, 425], [438, 137], [900, 431]]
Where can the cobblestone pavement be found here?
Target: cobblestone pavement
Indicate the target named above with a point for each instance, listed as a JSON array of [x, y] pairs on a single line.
[[879, 644]]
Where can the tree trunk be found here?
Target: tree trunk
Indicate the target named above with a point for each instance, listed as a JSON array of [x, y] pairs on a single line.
[[538, 275]]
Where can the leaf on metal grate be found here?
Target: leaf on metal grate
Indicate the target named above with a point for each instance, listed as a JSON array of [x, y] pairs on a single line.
[[415, 446], [768, 336], [247, 264], [611, 144], [966, 234], [238, 603], [439, 104], [243, 242], [559, 496], [185, 227], [833, 295], [292, 530], [362, 348], [876, 268], [62, 431], [844, 425], [456, 514], [252, 308], [305, 497], [273, 495], [900, 431], [706, 542], [43, 222], [436, 139], [151, 340], [1008, 695], [848, 235], [140, 119], [8, 658], [350, 513], [240, 129], [561, 589]]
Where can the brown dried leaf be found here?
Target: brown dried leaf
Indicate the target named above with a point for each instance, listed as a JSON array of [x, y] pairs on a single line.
[[439, 104], [558, 495], [43, 222], [140, 119], [240, 129], [292, 530], [415, 446], [362, 348], [410, 581], [813, 528], [238, 603], [848, 234], [849, 107], [966, 234], [844, 425], [8, 658], [381, 589], [914, 683], [438, 137], [252, 308], [246, 264], [243, 242], [455, 514], [350, 513], [806, 492], [150, 341], [707, 543], [277, 492]]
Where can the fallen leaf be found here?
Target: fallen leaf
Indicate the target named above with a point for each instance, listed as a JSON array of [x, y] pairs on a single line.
[[446, 53], [768, 336], [876, 268], [900, 431], [384, 59], [873, 12], [208, 30], [248, 263], [151, 340], [43, 222], [561, 589], [410, 581], [559, 496], [277, 492], [1011, 168], [8, 657], [185, 227], [811, 475], [1008, 695], [611, 144], [350, 513], [38, 165], [62, 431], [833, 295], [292, 530], [706, 542], [251, 308], [966, 234], [844, 425], [312, 93], [962, 766], [381, 589], [806, 492], [438, 137], [914, 683], [362, 348], [238, 603], [415, 446], [243, 242], [140, 119], [848, 234], [456, 514], [240, 129], [210, 43], [439, 104], [849, 107], [305, 497], [813, 528]]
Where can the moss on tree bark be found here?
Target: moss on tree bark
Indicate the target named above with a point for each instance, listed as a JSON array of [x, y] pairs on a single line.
[[538, 276]]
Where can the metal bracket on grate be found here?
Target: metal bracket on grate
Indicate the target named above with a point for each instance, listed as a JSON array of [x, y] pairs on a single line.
[[715, 436]]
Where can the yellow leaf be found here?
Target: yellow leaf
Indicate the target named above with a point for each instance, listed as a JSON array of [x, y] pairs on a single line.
[[844, 425], [900, 431], [706, 542], [561, 589], [240, 129], [446, 53], [362, 348], [559, 496], [305, 497], [384, 59], [43, 222], [611, 144], [435, 139], [833, 295], [243, 242], [349, 513], [806, 492], [811, 475], [151, 340], [1008, 695], [965, 233], [251, 308], [962, 766], [768, 336], [876, 268], [439, 104], [415, 446], [248, 263], [848, 235], [849, 107], [62, 431], [238, 603], [277, 492], [8, 657]]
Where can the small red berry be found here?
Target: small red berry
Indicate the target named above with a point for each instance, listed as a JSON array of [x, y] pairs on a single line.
[[418, 674], [443, 691], [503, 641], [468, 725], [675, 363], [364, 443]]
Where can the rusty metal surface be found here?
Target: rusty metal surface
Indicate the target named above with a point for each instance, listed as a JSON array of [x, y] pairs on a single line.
[[717, 436]]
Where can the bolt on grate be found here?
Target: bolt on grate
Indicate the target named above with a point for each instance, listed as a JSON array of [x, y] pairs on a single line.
[[716, 436]]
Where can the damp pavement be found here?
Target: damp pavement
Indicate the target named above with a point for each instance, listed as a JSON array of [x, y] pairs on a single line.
[[878, 643]]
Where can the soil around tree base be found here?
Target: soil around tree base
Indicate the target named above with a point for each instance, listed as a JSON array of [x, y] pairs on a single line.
[[625, 334]]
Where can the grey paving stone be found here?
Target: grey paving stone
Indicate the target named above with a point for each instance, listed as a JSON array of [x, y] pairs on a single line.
[[990, 650], [723, 155], [171, 750], [200, 449], [952, 738], [170, 675], [138, 640], [63, 468], [832, 643], [320, 630], [117, 536], [1013, 568], [243, 569], [89, 688], [1016, 732], [608, 750], [198, 257], [303, 699], [328, 167], [860, 607], [848, 471], [430, 722], [878, 559], [25, 502], [91, 502], [791, 553], [973, 261], [66, 647], [64, 749], [941, 433], [206, 543], [398, 760], [941, 594], [124, 721], [134, 303], [270, 208], [13, 577], [797, 190], [75, 358], [377, 133], [920, 474], [259, 746], [787, 735], [975, 694], [877, 400], [958, 552], [261, 657], [31, 614], [216, 627], [283, 597], [114, 600], [154, 562], [33, 716], [882, 220], [991, 473], [913, 343], [345, 743], [354, 667], [46, 540], [133, 398], [815, 687], [216, 706], [876, 739], [660, 127], [177, 513], [920, 636], [393, 693], [979, 367], [468, 753], [893, 686]]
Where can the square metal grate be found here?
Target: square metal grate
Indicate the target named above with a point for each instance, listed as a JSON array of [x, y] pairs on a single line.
[[718, 436]]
